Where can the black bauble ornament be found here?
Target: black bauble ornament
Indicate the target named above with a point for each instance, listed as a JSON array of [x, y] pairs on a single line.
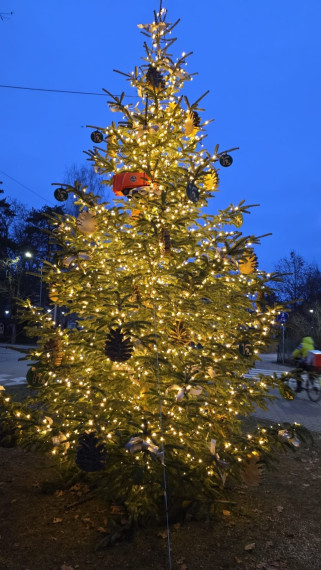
[[118, 348], [245, 349], [96, 137], [35, 378], [91, 453], [226, 160], [61, 194], [192, 192]]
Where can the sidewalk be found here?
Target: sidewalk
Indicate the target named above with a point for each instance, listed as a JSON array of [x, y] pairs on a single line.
[[300, 410], [269, 362], [13, 369]]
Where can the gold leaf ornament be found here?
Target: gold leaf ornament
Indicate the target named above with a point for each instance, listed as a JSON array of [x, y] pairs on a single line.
[[192, 124], [249, 264], [237, 220], [111, 141], [86, 223], [211, 181], [53, 294]]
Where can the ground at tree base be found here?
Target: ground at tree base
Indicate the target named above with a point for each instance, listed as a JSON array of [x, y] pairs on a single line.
[[275, 525]]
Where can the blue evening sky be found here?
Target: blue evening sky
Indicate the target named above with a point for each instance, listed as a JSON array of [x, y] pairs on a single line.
[[260, 59]]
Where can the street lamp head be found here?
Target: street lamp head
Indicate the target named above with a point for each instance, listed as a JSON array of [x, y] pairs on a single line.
[[28, 254]]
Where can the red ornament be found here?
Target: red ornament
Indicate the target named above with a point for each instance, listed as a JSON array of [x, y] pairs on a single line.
[[125, 182]]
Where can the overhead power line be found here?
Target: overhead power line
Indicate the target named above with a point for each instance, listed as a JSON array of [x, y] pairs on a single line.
[[26, 187], [52, 90], [56, 90]]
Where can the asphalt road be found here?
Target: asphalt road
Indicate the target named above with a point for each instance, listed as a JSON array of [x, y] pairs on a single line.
[[300, 410]]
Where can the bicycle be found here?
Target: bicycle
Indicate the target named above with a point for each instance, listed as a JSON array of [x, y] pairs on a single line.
[[310, 381]]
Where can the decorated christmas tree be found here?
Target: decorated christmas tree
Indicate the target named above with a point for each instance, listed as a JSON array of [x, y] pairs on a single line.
[[148, 392]]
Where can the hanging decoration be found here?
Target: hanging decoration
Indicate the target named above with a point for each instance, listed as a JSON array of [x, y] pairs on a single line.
[[72, 259], [154, 78], [211, 181], [225, 160], [60, 439], [237, 220], [221, 465], [138, 444], [184, 391], [136, 294], [111, 142], [245, 349], [35, 378], [53, 294], [165, 242], [140, 130], [86, 223], [91, 453], [127, 183], [97, 137], [154, 27], [61, 194], [249, 264], [118, 347], [288, 436], [53, 350], [192, 192], [179, 333], [192, 123]]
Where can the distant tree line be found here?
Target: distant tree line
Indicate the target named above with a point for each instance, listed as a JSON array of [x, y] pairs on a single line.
[[25, 243], [300, 291]]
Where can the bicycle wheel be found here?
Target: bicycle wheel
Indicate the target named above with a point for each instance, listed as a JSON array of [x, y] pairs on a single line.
[[313, 388]]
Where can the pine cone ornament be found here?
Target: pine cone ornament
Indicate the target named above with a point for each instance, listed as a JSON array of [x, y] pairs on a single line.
[[192, 123], [249, 264], [166, 242], [53, 348], [91, 453], [86, 223], [136, 295], [118, 348], [179, 333], [154, 78]]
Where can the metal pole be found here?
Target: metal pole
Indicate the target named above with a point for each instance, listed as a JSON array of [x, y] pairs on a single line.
[[282, 344], [40, 292]]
